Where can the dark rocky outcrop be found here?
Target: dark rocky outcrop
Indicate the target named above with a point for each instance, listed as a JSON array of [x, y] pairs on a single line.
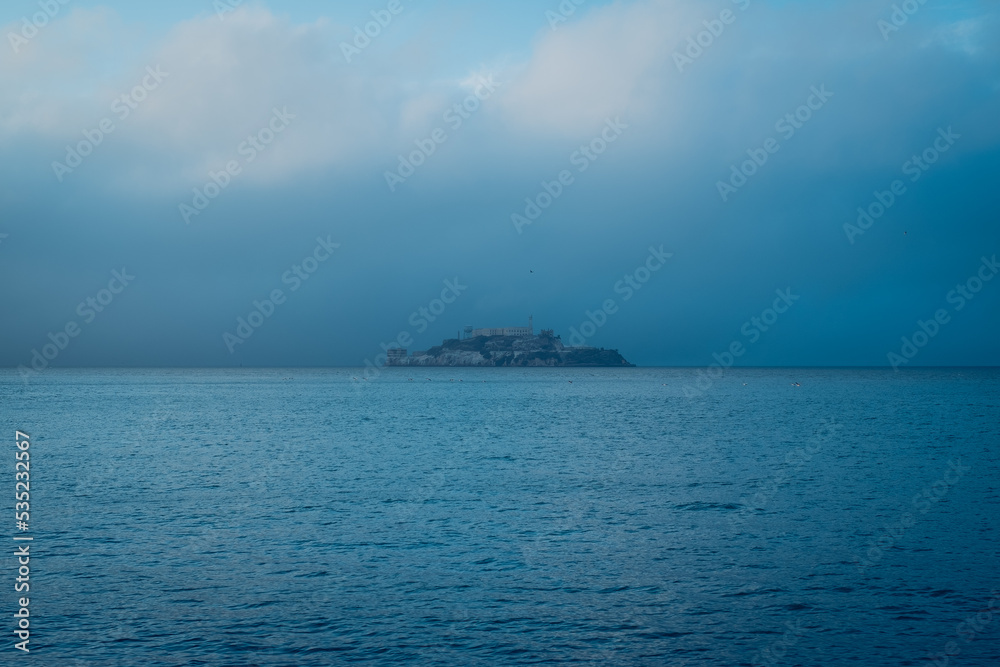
[[541, 350]]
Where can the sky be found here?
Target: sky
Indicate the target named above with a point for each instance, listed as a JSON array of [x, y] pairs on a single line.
[[203, 183]]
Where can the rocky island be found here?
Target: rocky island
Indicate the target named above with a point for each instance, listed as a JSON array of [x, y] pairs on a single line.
[[510, 346]]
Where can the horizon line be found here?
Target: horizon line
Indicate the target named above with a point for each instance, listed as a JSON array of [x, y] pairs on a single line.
[[635, 366]]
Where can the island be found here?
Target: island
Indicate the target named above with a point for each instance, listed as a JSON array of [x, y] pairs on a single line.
[[507, 346]]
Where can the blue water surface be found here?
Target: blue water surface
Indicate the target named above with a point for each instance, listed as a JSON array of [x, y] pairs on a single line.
[[509, 516]]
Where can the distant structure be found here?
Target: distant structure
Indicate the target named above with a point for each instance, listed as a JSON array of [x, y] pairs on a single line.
[[507, 347], [504, 331], [394, 355]]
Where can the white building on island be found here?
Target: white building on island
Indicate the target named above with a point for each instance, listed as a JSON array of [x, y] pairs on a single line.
[[504, 331]]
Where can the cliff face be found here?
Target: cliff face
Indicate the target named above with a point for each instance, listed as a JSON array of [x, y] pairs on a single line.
[[543, 350]]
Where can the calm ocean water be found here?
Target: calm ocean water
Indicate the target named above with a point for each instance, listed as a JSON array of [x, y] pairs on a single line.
[[509, 516]]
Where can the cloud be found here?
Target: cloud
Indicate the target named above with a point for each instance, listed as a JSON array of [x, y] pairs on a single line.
[[608, 63], [60, 75], [223, 79], [226, 77], [619, 59]]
